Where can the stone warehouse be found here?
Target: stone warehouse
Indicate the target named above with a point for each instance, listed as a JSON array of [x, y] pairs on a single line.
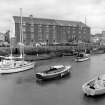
[[50, 30]]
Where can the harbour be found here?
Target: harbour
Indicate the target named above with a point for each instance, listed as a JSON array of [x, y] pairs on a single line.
[[24, 89], [52, 52]]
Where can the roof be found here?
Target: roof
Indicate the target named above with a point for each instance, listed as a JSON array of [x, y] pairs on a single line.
[[70, 23], [45, 21], [35, 20]]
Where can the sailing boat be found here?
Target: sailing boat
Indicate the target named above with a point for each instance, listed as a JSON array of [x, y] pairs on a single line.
[[13, 66], [81, 56]]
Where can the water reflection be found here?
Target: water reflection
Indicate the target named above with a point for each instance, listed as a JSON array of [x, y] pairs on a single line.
[[28, 79], [93, 100]]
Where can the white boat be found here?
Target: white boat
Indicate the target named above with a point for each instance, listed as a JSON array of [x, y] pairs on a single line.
[[54, 72], [11, 57], [82, 58], [9, 65], [15, 66], [95, 86]]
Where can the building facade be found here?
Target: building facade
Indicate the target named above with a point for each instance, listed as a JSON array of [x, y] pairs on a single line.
[[7, 36], [2, 37], [50, 30]]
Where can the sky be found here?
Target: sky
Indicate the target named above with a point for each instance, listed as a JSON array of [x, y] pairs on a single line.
[[73, 10]]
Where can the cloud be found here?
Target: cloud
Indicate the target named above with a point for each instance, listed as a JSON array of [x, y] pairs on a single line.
[[76, 10]]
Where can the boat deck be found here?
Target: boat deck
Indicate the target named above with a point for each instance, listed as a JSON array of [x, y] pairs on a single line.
[[54, 70]]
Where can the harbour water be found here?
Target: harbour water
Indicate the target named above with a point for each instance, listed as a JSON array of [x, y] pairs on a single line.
[[24, 89]]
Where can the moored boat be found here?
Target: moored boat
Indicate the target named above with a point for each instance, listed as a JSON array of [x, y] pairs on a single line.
[[95, 86], [54, 72], [13, 66], [10, 64], [82, 58]]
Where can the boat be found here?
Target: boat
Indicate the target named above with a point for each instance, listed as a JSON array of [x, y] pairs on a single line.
[[82, 57], [94, 87], [54, 72], [13, 66], [10, 65]]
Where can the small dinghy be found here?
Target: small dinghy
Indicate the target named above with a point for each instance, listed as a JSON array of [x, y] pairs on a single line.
[[95, 86], [54, 72]]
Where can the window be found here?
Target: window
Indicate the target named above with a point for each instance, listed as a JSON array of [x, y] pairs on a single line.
[[73, 31], [24, 29], [32, 24], [79, 32], [24, 23], [32, 29], [24, 35], [32, 35]]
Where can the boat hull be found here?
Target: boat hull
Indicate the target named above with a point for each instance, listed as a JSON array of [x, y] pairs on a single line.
[[93, 92], [5, 70], [81, 59], [54, 75]]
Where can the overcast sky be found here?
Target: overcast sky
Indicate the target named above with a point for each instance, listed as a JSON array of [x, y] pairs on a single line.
[[76, 10]]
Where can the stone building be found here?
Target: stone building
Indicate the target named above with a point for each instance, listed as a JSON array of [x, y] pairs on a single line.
[[50, 30], [2, 37], [7, 36]]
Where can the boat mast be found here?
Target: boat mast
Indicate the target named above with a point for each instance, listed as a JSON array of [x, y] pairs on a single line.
[[10, 43], [10, 48], [21, 35], [85, 26]]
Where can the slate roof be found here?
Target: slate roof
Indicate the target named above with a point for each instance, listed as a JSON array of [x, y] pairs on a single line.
[[45, 21], [70, 23]]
